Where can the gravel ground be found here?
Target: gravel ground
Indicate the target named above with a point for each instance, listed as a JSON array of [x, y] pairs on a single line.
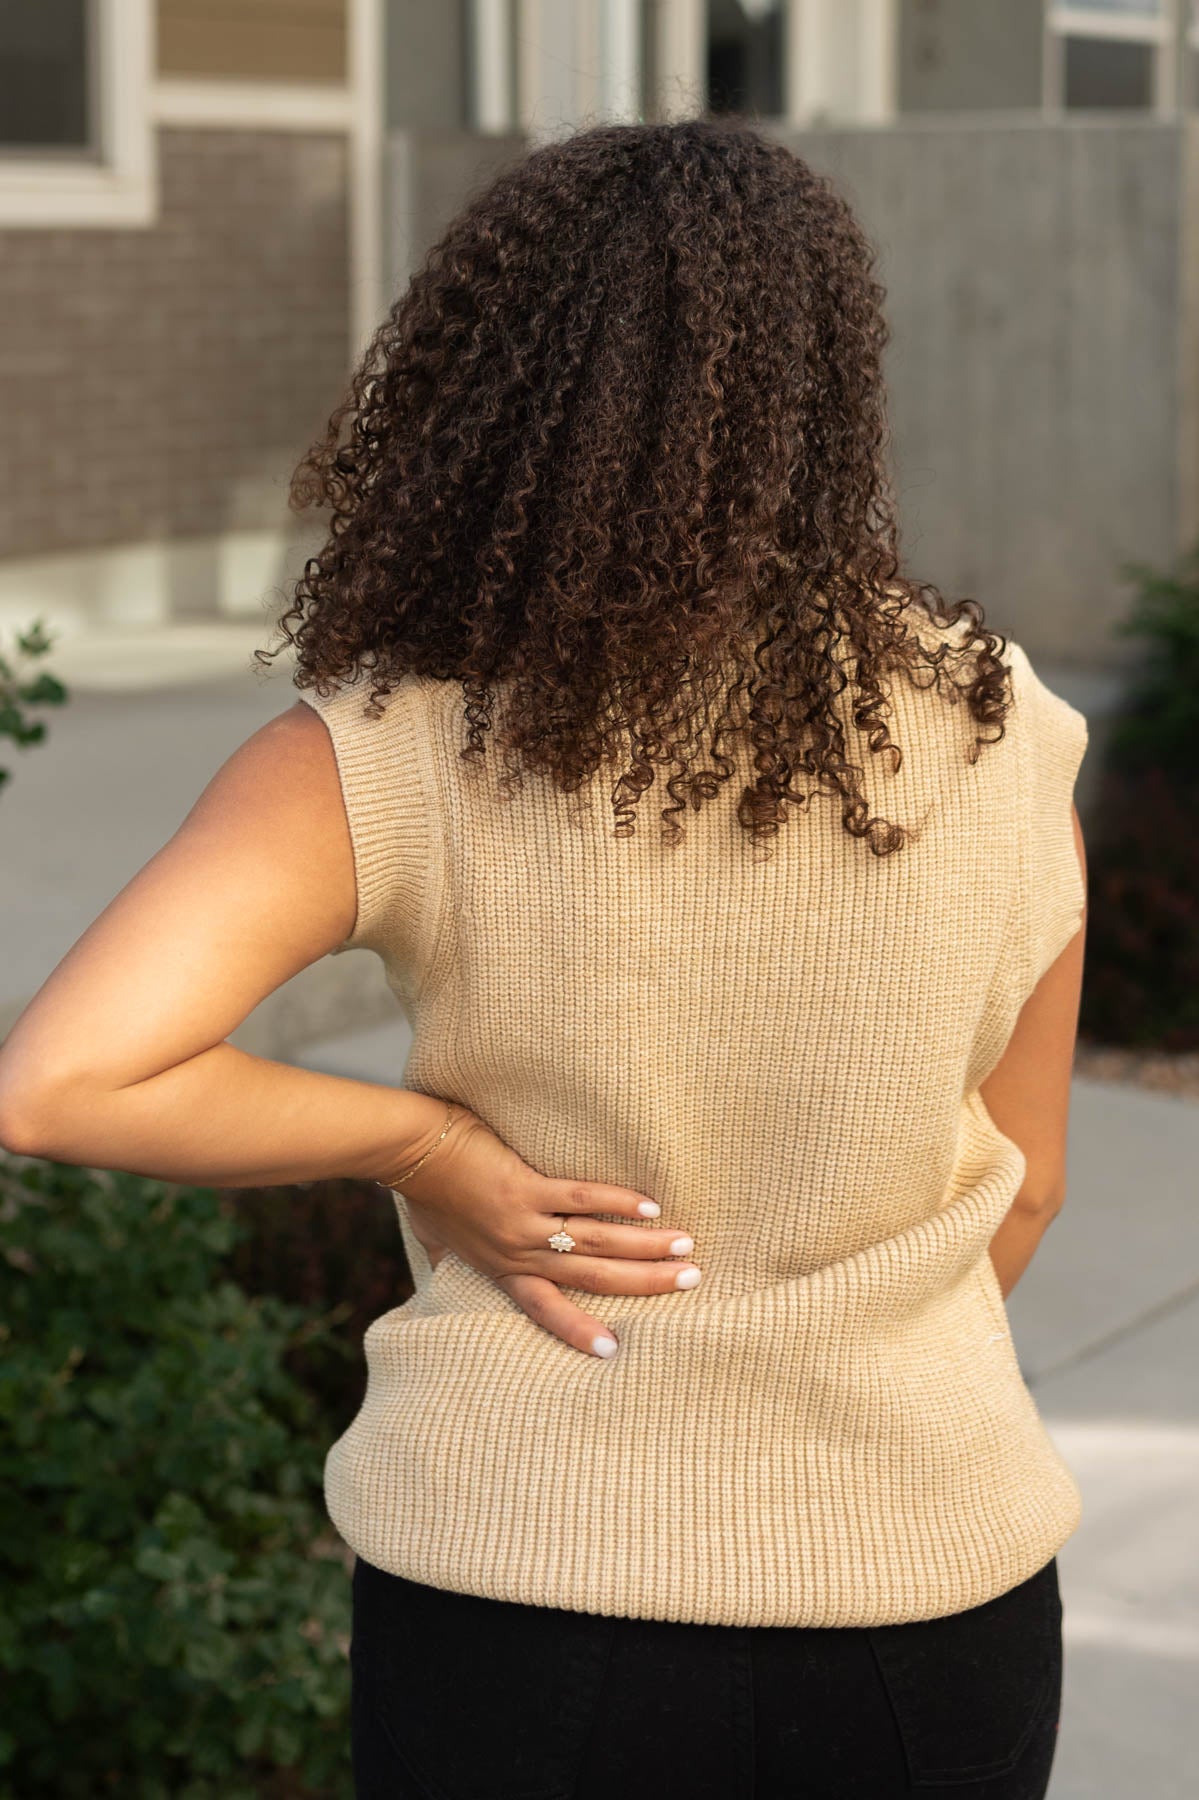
[[1154, 1069]]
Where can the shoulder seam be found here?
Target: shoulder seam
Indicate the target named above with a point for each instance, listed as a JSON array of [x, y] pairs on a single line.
[[1022, 907], [437, 906]]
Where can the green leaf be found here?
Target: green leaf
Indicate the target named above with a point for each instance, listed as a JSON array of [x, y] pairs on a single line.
[[36, 640], [45, 691], [167, 1628]]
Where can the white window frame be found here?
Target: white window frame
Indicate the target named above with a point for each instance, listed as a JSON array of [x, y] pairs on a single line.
[[680, 33], [814, 88], [490, 26], [538, 67], [524, 77], [119, 185], [1073, 19]]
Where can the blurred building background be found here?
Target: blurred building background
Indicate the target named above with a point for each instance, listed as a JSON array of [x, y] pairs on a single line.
[[205, 207]]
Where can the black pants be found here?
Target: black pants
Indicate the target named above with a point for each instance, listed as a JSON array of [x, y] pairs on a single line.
[[457, 1697]]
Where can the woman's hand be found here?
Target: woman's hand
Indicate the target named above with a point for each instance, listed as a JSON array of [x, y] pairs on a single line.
[[475, 1196]]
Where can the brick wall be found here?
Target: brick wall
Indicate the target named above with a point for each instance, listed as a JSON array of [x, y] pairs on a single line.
[[163, 382]]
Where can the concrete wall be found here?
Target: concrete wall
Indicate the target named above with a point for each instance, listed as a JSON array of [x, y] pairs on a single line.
[[163, 382], [425, 51], [1043, 293], [428, 176], [1035, 280], [961, 54]]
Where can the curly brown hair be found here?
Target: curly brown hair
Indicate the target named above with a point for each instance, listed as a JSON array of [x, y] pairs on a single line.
[[619, 447]]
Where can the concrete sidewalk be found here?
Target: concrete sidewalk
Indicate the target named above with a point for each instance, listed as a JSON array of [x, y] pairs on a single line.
[[151, 718], [1106, 1322]]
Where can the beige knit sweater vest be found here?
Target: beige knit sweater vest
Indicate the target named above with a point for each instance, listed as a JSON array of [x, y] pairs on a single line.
[[833, 1428]]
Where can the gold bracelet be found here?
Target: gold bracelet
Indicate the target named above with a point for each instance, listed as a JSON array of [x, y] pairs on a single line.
[[409, 1173]]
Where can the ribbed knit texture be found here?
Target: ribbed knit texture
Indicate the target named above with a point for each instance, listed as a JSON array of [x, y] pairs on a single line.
[[833, 1428]]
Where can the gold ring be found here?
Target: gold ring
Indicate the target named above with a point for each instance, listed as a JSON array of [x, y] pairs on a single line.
[[562, 1240]]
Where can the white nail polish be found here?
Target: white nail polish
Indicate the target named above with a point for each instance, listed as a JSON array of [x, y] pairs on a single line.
[[649, 1209], [688, 1278], [682, 1246], [604, 1346]]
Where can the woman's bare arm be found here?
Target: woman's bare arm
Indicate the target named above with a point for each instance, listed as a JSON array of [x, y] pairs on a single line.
[[1028, 1096], [120, 1062]]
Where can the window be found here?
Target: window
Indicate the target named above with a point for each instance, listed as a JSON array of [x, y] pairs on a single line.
[[745, 54], [75, 139], [45, 103], [1131, 9], [1103, 72], [1111, 53]]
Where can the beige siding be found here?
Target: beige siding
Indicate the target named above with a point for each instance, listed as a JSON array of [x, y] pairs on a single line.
[[261, 40]]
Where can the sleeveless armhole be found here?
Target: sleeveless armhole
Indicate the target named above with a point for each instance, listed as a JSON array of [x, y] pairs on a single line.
[[381, 767], [1053, 738]]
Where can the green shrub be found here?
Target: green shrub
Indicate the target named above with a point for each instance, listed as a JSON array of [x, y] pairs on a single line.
[[18, 691], [1159, 726], [1142, 982], [176, 1613], [330, 1245]]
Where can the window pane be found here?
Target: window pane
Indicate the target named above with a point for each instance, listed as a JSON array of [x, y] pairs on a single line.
[[1104, 72], [43, 74], [745, 57], [1139, 9]]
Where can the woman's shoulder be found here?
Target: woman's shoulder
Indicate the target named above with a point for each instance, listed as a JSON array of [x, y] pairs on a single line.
[[1041, 713], [349, 691]]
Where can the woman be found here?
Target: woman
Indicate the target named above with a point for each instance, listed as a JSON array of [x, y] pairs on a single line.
[[700, 1461]]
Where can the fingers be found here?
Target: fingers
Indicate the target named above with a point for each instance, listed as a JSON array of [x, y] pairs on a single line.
[[607, 1259], [612, 1275], [554, 1196], [550, 1308], [595, 1237]]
